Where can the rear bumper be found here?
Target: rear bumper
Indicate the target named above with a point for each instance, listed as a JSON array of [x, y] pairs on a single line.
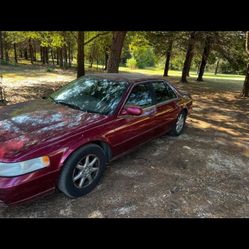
[[15, 190]]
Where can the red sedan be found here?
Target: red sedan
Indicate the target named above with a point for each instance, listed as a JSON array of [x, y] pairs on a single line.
[[66, 140]]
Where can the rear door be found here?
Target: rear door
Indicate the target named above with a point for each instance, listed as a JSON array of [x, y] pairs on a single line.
[[166, 106]]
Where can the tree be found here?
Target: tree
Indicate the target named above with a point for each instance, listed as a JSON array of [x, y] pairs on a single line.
[[1, 47], [189, 56], [168, 57], [245, 90], [80, 54], [31, 53], [115, 51], [15, 53], [162, 42], [206, 52], [81, 50], [217, 67]]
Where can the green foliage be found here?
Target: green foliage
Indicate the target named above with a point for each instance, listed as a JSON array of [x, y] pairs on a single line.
[[50, 69], [140, 49], [96, 50], [144, 56], [142, 52], [131, 63]]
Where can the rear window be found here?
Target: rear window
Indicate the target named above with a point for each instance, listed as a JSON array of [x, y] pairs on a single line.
[[163, 92]]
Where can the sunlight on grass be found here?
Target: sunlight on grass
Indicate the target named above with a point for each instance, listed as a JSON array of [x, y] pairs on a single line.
[[174, 73]]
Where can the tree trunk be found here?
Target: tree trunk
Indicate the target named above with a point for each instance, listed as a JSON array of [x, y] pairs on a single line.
[[25, 54], [47, 56], [44, 55], [217, 67], [57, 56], [34, 51], [91, 61], [31, 51], [69, 55], [189, 57], [6, 48], [52, 56], [80, 54], [15, 53], [116, 49], [7, 55], [41, 54], [204, 59], [245, 91], [65, 56], [61, 57], [1, 47], [106, 58], [168, 56]]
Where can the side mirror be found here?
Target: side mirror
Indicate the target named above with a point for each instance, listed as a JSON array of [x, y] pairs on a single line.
[[132, 110]]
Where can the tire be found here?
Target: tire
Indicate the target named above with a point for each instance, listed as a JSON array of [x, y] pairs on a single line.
[[75, 171], [178, 129]]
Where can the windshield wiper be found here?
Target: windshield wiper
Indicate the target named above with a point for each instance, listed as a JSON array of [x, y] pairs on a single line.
[[68, 104], [73, 106]]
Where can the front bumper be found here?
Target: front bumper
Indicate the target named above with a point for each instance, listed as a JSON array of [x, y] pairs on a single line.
[[14, 190]]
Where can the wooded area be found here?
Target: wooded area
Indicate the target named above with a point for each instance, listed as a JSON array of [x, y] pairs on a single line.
[[202, 52]]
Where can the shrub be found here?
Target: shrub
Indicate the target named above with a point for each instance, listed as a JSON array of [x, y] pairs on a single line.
[[50, 69], [131, 63]]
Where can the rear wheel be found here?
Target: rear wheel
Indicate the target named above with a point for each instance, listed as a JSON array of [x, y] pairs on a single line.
[[179, 125], [82, 171]]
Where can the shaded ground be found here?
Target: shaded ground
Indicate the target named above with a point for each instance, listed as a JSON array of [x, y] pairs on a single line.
[[202, 173]]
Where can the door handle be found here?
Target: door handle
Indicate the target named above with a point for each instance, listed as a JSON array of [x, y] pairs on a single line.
[[150, 111]]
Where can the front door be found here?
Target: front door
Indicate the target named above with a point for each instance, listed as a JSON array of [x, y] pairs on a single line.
[[134, 130]]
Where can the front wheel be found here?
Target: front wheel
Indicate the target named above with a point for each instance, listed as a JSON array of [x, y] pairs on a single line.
[[82, 171], [179, 125]]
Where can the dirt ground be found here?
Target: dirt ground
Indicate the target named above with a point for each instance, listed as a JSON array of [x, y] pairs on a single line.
[[202, 173]]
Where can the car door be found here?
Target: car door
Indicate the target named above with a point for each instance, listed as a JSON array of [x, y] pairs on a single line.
[[134, 130], [166, 106]]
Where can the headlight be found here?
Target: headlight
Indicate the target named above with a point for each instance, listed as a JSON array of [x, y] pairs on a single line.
[[16, 169]]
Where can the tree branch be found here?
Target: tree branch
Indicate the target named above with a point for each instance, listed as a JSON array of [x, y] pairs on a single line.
[[96, 36]]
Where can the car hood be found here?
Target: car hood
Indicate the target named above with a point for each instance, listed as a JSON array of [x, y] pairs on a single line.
[[31, 123]]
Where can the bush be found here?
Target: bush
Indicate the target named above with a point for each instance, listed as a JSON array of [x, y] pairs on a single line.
[[131, 63], [50, 69], [4, 62]]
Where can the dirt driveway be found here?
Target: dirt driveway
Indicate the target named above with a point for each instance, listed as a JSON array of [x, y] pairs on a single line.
[[202, 173]]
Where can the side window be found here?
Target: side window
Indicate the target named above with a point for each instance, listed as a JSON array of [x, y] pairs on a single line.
[[140, 96], [171, 93], [162, 92]]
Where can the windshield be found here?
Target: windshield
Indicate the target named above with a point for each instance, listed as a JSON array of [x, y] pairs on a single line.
[[91, 94]]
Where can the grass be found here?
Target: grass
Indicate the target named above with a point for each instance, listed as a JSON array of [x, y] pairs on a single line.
[[24, 82], [174, 73], [25, 64], [26, 72]]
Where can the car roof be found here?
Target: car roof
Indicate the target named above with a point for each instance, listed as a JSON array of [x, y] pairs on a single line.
[[127, 77]]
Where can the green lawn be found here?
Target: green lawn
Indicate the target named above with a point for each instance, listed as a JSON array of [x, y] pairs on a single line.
[[174, 73], [24, 64]]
